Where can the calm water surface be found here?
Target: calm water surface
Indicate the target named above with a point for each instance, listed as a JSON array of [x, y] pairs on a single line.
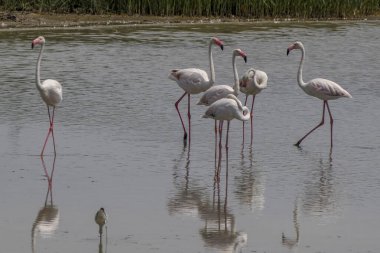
[[119, 143]]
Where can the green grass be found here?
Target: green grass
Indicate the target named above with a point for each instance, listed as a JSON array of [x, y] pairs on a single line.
[[196, 8]]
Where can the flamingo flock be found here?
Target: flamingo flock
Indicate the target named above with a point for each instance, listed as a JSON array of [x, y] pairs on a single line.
[[223, 103], [221, 100]]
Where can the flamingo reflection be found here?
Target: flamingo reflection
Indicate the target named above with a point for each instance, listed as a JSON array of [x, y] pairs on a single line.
[[250, 183], [47, 220], [219, 223], [288, 241]]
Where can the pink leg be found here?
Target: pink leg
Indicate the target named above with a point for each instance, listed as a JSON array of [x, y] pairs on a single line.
[[331, 124], [216, 141], [253, 101], [50, 130], [189, 115], [228, 129], [245, 103], [220, 148], [320, 124], [176, 107]]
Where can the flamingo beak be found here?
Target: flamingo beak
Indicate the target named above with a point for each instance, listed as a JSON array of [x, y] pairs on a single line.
[[245, 59], [32, 45], [287, 51], [221, 47]]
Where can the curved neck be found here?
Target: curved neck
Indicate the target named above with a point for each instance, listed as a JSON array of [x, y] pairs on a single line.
[[212, 70], [301, 83], [236, 76], [38, 81]]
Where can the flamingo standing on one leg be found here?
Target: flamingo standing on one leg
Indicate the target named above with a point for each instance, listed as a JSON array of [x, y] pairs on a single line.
[[252, 83], [228, 108], [194, 81], [320, 88], [50, 91]]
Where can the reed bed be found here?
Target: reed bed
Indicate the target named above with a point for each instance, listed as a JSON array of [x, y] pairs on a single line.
[[198, 8]]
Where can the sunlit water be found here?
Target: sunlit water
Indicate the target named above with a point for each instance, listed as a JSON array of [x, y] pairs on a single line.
[[119, 143]]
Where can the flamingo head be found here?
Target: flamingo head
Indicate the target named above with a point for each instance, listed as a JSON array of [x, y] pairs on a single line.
[[239, 52], [218, 42], [295, 45], [38, 41]]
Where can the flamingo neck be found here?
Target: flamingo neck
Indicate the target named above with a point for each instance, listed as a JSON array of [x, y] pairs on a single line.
[[212, 70], [301, 83], [38, 80], [236, 76]]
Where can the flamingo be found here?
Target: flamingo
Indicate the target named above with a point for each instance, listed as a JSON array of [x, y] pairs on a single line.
[[252, 83], [194, 81], [227, 108], [221, 91], [320, 88], [50, 91]]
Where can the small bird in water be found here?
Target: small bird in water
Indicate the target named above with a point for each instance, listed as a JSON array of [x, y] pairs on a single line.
[[101, 219]]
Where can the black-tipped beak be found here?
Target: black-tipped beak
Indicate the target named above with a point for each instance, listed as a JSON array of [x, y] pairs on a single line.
[[32, 45], [245, 59], [221, 47], [287, 51]]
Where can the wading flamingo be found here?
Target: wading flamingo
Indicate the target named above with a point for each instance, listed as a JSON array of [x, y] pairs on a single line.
[[221, 91], [194, 81], [227, 108], [50, 91], [252, 83], [320, 88]]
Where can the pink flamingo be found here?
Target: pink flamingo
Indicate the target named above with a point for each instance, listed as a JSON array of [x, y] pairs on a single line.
[[194, 81], [221, 91], [252, 83], [320, 88], [50, 91]]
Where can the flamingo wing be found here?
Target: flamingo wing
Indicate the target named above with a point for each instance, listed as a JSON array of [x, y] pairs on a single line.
[[191, 80], [326, 89]]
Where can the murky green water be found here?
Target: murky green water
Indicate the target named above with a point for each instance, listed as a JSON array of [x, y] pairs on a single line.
[[119, 143]]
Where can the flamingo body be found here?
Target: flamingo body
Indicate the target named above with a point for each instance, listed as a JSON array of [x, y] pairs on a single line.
[[247, 82], [252, 83], [228, 108], [221, 91], [191, 80], [325, 89], [320, 88], [194, 81], [215, 93], [51, 92]]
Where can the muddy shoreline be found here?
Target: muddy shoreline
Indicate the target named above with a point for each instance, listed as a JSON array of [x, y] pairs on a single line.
[[10, 20]]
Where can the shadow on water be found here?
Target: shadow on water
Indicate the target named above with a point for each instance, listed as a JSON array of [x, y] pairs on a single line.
[[47, 220]]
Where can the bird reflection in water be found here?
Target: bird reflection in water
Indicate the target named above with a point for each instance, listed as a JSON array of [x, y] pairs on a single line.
[[47, 219], [250, 183], [187, 194], [292, 242], [101, 220], [219, 223]]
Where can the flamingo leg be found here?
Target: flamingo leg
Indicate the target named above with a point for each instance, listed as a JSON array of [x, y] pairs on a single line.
[[331, 124], [47, 136], [52, 130], [216, 141], [220, 149], [320, 124], [189, 115], [176, 107], [228, 129], [245, 103], [253, 101]]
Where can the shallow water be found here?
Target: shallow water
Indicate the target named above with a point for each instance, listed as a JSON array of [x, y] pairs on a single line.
[[119, 143]]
